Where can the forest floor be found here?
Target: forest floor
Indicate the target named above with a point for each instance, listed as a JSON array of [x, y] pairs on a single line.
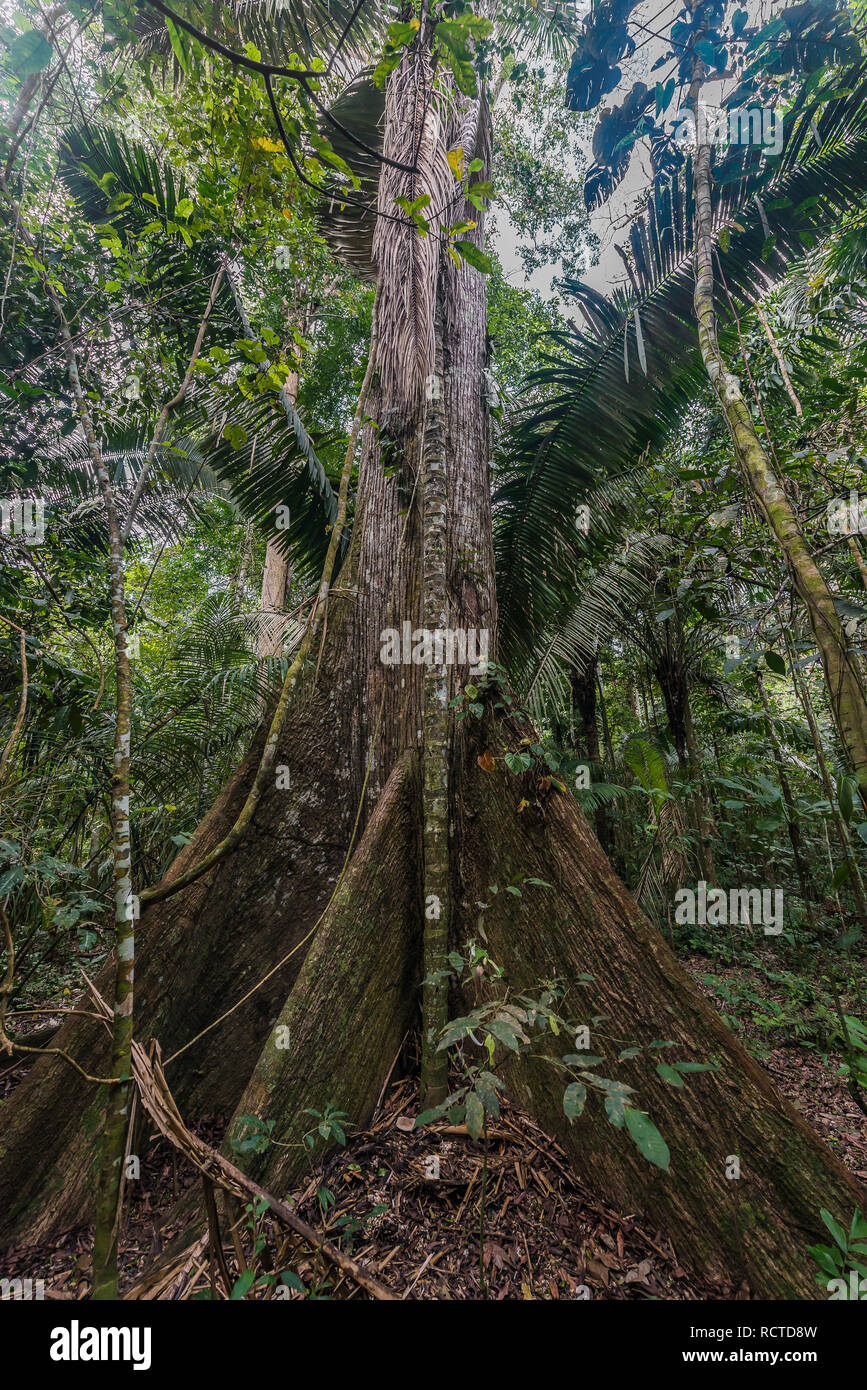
[[775, 1028], [425, 1213]]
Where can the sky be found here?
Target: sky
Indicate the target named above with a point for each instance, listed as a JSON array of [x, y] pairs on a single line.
[[610, 222]]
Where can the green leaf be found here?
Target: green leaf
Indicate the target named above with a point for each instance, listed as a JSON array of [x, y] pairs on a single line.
[[486, 1089], [858, 1228], [841, 873], [664, 93], [242, 1285], [29, 54], [846, 787], [775, 663], [479, 191], [669, 1074], [835, 1228], [180, 46], [647, 1138], [827, 1259], [503, 1033], [474, 256], [615, 1109], [475, 1116], [574, 1097]]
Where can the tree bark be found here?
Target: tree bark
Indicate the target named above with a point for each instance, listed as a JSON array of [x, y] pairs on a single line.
[[756, 1227], [355, 999]]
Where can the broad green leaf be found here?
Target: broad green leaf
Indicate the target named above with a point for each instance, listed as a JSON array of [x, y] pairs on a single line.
[[835, 1228], [474, 256], [574, 1097], [475, 1115], [615, 1110], [647, 1138], [242, 1284], [669, 1074], [29, 54]]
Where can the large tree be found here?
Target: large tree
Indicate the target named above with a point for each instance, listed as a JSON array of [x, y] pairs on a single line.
[[315, 918]]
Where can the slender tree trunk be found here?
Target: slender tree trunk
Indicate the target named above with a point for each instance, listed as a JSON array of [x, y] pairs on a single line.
[[276, 577], [584, 700], [671, 675], [801, 866], [842, 677]]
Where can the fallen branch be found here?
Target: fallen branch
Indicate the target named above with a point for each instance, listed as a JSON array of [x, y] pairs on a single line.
[[158, 1101]]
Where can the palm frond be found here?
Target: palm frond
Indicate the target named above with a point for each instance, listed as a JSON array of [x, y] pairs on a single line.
[[619, 385]]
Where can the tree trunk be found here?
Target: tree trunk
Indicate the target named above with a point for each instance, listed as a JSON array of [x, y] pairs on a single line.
[[842, 676], [756, 1227], [356, 996], [584, 692], [671, 674]]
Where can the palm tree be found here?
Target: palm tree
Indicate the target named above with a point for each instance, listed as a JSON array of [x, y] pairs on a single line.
[[763, 218]]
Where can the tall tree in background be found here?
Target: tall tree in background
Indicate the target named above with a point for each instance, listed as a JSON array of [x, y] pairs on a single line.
[[769, 62]]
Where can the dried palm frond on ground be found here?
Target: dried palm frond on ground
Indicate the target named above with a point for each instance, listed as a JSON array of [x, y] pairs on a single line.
[[544, 1235]]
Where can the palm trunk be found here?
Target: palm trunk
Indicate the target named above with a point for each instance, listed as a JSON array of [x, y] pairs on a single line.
[[584, 699]]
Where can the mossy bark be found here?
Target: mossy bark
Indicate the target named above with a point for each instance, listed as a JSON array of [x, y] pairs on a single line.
[[356, 997]]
